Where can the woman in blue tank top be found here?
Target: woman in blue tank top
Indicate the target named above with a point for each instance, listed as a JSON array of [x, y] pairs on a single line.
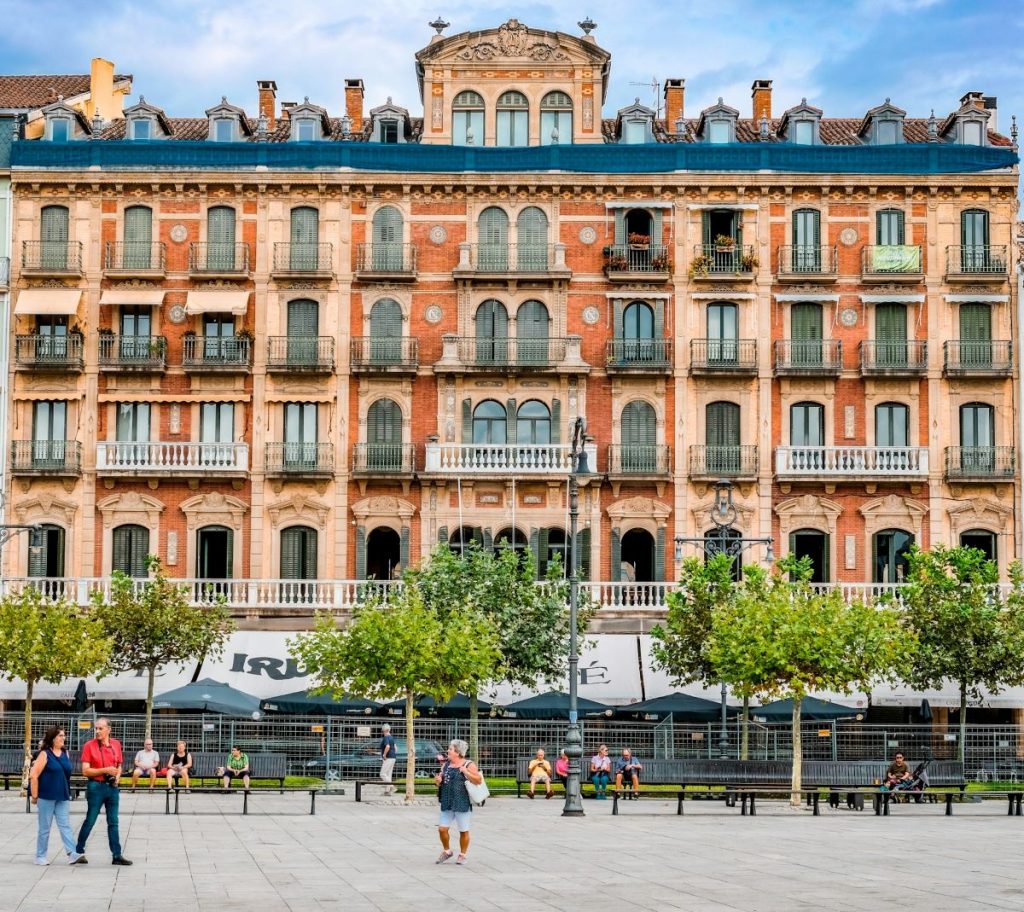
[[50, 782]]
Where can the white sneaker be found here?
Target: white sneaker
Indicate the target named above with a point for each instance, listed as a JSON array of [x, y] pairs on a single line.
[[41, 861], [74, 857]]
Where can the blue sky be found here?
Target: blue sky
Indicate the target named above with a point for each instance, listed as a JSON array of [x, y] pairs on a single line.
[[842, 55]]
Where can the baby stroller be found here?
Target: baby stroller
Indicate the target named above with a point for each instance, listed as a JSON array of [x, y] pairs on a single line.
[[915, 785]]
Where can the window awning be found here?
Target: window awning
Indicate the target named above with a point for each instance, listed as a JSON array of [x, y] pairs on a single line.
[[48, 301], [139, 297], [232, 302]]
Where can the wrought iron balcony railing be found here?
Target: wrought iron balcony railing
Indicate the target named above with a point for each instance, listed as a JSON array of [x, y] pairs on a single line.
[[892, 260], [383, 458], [135, 257], [385, 354], [132, 353], [894, 357], [637, 258], [639, 459], [723, 356], [300, 354], [723, 461], [218, 259], [49, 353], [977, 260], [501, 259], [299, 458], [46, 457], [638, 355], [51, 257], [808, 356], [509, 353], [397, 260], [807, 261], [987, 358], [987, 463], [216, 353], [716, 261], [303, 259]]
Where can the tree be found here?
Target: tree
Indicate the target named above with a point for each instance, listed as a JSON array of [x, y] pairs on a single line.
[[397, 644], [47, 640], [967, 632], [781, 638], [153, 622]]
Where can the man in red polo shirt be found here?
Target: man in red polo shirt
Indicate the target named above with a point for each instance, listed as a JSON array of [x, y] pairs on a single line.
[[101, 765]]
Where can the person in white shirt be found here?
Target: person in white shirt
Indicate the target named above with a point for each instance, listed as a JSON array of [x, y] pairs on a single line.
[[147, 762]]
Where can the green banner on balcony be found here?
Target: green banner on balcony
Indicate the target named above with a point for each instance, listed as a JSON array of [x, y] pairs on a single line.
[[896, 258]]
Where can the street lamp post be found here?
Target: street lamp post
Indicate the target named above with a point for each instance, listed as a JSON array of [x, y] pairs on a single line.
[[573, 739], [724, 540]]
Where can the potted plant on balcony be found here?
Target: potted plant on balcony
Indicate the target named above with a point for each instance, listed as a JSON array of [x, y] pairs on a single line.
[[724, 242], [700, 265], [639, 241], [616, 262], [749, 262], [659, 263]]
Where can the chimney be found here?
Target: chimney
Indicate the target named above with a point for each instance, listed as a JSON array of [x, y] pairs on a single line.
[[268, 101], [286, 109], [674, 89], [761, 93], [101, 87], [989, 104], [972, 99], [354, 103]]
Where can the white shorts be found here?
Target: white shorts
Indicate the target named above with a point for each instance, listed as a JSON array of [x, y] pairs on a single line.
[[461, 819]]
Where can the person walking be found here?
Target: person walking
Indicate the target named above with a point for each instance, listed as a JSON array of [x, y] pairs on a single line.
[[455, 804], [50, 785], [101, 765], [388, 756]]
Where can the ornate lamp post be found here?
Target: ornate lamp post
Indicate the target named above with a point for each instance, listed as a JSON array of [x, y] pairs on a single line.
[[724, 540], [578, 468]]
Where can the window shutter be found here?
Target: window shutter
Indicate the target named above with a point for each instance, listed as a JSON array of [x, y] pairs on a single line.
[[492, 248], [138, 235], [511, 421], [488, 540], [477, 534], [291, 542], [619, 329], [620, 227], [404, 548], [806, 322], [54, 224], [705, 221], [659, 555], [305, 232], [543, 546], [533, 238], [657, 227], [220, 237], [442, 535], [360, 552], [616, 559], [130, 550], [303, 318], [535, 549], [891, 323], [556, 420], [659, 323], [467, 421], [139, 551], [583, 553], [532, 333], [975, 323], [387, 226]]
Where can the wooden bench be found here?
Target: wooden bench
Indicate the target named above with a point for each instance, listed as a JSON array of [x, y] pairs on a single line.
[[262, 766], [523, 775]]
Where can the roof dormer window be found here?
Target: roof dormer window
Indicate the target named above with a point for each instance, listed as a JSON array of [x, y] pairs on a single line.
[[636, 124], [390, 123], [886, 133], [144, 121], [389, 131], [142, 129], [718, 131], [60, 129], [717, 124], [973, 133], [223, 130], [883, 126], [803, 133], [305, 130], [228, 123], [799, 125]]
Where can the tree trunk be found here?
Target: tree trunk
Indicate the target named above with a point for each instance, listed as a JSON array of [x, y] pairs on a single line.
[[474, 726], [149, 701], [794, 798], [963, 722], [745, 729], [410, 744], [27, 761]]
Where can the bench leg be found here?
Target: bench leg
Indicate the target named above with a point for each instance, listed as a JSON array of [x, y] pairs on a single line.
[[312, 803], [245, 802], [167, 801], [615, 804], [359, 791], [885, 805], [753, 805], [177, 793], [743, 805], [949, 805], [817, 813], [1020, 812], [679, 804]]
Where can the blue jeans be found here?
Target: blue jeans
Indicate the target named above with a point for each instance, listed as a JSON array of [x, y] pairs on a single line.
[[48, 809], [601, 780], [100, 795]]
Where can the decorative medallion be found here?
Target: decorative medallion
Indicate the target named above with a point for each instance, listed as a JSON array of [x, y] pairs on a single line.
[[591, 315], [433, 313], [849, 316], [438, 234], [588, 235], [177, 313], [848, 237], [179, 233]]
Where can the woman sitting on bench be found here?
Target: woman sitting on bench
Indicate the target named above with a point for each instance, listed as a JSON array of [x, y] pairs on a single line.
[[237, 767]]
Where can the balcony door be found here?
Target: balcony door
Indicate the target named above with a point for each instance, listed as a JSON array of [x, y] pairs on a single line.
[[975, 335], [387, 240], [639, 438], [807, 424], [132, 433], [384, 436], [974, 234], [891, 335], [638, 343], [47, 561], [534, 434], [532, 327], [305, 233], [219, 342], [723, 438], [49, 433], [890, 561], [491, 333], [383, 559], [220, 239], [532, 240], [216, 430], [298, 553], [215, 553], [723, 344], [492, 245], [490, 431], [130, 550], [303, 331], [977, 438], [138, 238], [386, 332], [52, 340], [812, 544], [892, 425], [807, 332], [807, 240], [982, 540], [722, 231], [300, 436], [53, 237], [889, 228], [136, 334]]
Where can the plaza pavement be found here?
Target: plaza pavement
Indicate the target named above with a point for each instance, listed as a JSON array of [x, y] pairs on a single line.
[[524, 858]]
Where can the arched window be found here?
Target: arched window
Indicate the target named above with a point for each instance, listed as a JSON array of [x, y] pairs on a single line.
[[722, 435], [385, 332], [532, 240], [387, 239], [305, 234], [532, 325], [533, 424], [384, 554], [53, 237], [890, 561], [555, 119], [491, 333], [892, 425], [514, 539], [492, 246], [639, 435], [384, 436], [48, 560], [807, 240], [513, 112], [138, 239], [552, 545], [220, 239], [490, 424], [812, 544], [214, 553], [982, 540], [130, 548], [468, 119], [638, 343], [298, 553]]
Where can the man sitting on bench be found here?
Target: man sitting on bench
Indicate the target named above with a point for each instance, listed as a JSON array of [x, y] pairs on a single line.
[[628, 770], [897, 774], [540, 771], [237, 768]]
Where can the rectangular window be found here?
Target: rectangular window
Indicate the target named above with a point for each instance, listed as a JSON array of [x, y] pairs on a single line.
[[636, 132], [511, 128], [133, 422], [718, 131], [306, 130], [389, 132], [217, 422], [59, 130], [468, 128], [885, 132], [141, 129], [803, 133], [555, 128], [223, 130], [972, 133]]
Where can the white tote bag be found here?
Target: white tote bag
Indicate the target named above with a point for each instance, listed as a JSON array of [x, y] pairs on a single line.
[[478, 794]]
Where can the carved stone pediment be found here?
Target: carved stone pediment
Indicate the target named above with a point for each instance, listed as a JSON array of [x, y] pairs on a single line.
[[383, 506], [809, 506], [513, 43], [214, 509], [633, 507], [130, 507], [45, 508], [299, 508]]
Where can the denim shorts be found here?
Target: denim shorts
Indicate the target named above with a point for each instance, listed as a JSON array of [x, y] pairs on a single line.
[[461, 819]]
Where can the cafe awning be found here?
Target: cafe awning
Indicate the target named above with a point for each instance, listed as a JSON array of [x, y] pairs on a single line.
[[232, 302], [48, 301], [133, 297]]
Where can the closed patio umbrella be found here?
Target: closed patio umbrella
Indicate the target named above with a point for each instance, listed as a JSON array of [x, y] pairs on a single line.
[[456, 706], [553, 705], [303, 702], [811, 708], [208, 695], [681, 706]]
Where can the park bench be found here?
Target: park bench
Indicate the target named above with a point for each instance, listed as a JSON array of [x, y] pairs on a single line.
[[262, 766]]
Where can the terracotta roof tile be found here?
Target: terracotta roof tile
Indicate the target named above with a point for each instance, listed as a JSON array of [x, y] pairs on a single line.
[[36, 91]]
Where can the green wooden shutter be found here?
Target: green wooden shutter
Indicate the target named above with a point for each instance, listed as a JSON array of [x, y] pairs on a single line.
[[492, 249], [535, 550], [305, 233], [53, 233], [889, 229], [532, 325], [659, 328], [467, 421], [442, 535], [619, 327], [511, 422], [488, 540], [360, 552], [384, 436], [638, 437], [386, 332], [657, 227], [532, 240], [705, 228], [543, 552], [220, 238], [130, 550], [806, 240], [806, 326], [404, 548], [723, 438], [583, 553], [298, 553], [891, 334], [387, 239], [975, 334], [138, 237], [49, 559], [556, 420], [616, 556], [659, 555], [620, 227]]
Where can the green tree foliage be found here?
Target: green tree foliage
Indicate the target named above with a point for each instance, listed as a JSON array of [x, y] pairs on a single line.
[[399, 644], [153, 622], [47, 640], [967, 631], [781, 638]]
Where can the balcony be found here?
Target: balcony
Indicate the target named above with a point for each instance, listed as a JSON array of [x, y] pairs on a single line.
[[305, 460], [892, 263], [218, 261], [977, 262], [803, 263], [808, 358], [850, 463], [893, 359], [637, 263], [638, 356], [723, 356], [639, 460], [132, 354], [485, 459], [135, 260], [52, 354], [978, 359], [394, 262], [511, 261], [383, 459], [51, 258], [46, 457], [981, 463], [717, 262], [713, 462], [502, 355], [384, 355], [217, 354], [300, 354], [172, 459], [305, 261], [5, 273]]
